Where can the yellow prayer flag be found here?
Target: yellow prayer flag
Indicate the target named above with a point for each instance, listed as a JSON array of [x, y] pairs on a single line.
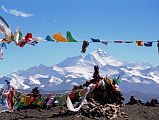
[[139, 43], [59, 38]]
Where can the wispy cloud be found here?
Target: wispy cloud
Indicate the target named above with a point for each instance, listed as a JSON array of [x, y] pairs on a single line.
[[4, 9], [16, 12]]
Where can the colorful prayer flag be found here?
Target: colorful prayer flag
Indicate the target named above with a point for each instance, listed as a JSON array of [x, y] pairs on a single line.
[[128, 41], [69, 37], [148, 44], [104, 42], [139, 43], [118, 41], [95, 40], [48, 38]]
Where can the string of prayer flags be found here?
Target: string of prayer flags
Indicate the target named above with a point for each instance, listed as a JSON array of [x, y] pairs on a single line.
[[21, 40]]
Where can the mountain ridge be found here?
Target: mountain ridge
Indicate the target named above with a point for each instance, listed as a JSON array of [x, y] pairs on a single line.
[[142, 77]]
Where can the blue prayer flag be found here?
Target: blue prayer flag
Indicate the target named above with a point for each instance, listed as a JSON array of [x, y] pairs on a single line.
[[95, 40]]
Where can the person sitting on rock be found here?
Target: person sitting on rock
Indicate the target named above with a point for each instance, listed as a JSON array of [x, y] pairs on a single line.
[[132, 101], [156, 101], [140, 102], [153, 102], [35, 92], [147, 104]]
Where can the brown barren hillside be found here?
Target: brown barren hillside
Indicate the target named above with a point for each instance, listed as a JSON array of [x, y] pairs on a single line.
[[134, 112]]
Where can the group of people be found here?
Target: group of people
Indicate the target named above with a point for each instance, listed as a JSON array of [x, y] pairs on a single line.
[[153, 102]]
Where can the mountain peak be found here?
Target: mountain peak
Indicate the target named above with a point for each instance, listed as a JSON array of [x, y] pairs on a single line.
[[71, 61], [101, 58], [99, 50], [97, 57], [101, 53]]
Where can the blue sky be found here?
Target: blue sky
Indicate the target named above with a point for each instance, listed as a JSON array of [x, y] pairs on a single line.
[[103, 19]]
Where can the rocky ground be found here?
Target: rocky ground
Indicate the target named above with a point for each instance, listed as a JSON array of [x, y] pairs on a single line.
[[130, 112]]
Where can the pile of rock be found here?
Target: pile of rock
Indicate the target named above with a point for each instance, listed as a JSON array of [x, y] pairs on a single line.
[[95, 110]]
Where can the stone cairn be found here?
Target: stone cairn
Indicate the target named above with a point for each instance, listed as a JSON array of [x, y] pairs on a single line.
[[104, 101]]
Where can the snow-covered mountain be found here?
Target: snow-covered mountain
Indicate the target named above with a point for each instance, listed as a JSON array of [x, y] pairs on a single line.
[[135, 76]]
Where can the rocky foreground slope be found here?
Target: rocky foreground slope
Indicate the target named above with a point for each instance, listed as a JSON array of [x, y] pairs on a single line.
[[133, 112]]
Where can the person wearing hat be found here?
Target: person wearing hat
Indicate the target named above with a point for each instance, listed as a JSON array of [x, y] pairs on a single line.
[[9, 91], [36, 92]]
